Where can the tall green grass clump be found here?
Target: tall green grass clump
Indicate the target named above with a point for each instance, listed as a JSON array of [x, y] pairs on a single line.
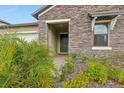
[[25, 64], [7, 51]]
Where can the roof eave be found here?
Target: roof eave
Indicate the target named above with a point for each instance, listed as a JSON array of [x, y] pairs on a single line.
[[19, 25], [98, 14], [5, 22], [43, 8]]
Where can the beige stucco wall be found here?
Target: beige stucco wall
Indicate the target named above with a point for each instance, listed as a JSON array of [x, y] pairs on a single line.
[[28, 33], [1, 23], [18, 29], [52, 39]]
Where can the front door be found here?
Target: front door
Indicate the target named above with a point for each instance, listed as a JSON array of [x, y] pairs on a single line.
[[63, 43]]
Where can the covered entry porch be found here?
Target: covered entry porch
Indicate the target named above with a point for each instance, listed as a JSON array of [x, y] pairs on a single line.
[[58, 36]]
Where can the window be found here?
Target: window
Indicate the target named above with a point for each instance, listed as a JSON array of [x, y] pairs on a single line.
[[101, 34]]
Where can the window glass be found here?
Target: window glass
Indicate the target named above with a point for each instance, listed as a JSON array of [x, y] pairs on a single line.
[[101, 35], [100, 29]]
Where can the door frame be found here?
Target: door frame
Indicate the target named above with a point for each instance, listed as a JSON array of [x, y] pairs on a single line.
[[58, 43]]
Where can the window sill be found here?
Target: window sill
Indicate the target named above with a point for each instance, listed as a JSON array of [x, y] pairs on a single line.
[[101, 48]]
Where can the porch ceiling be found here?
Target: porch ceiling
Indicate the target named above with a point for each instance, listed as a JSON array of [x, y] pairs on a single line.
[[60, 26]]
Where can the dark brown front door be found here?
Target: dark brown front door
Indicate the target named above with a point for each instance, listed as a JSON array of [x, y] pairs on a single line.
[[64, 43]]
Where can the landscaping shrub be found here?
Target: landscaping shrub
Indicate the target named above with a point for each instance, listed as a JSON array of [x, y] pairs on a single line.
[[116, 74], [31, 64], [118, 57], [98, 69], [93, 59], [36, 64], [106, 60], [7, 50], [25, 64], [67, 67], [82, 56], [78, 81], [97, 72], [46, 81]]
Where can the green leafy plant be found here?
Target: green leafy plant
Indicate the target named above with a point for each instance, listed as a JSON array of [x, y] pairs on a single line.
[[82, 56], [116, 74], [36, 64], [97, 72], [67, 67], [46, 82], [78, 81], [25, 64], [93, 59], [118, 57], [106, 60], [7, 50]]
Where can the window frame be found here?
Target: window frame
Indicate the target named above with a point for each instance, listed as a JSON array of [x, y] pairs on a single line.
[[108, 32]]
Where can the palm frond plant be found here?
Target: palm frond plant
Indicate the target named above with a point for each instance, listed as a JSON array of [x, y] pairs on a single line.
[[24, 64], [7, 50]]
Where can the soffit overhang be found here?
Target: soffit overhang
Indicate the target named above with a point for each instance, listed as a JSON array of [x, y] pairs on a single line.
[[107, 15], [42, 9]]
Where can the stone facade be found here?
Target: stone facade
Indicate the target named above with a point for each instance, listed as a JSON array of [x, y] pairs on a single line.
[[80, 34]]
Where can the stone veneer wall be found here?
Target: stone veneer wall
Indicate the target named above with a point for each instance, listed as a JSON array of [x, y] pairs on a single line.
[[80, 34]]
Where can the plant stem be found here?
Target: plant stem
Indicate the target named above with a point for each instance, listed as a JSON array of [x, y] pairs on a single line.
[[6, 82]]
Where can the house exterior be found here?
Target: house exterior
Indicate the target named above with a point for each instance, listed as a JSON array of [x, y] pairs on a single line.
[[2, 22], [27, 31], [89, 29]]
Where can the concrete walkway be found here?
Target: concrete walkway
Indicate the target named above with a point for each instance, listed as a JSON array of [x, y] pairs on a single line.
[[59, 60]]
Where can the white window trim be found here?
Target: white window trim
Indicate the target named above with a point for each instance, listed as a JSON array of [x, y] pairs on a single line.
[[93, 23], [101, 48], [113, 22]]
